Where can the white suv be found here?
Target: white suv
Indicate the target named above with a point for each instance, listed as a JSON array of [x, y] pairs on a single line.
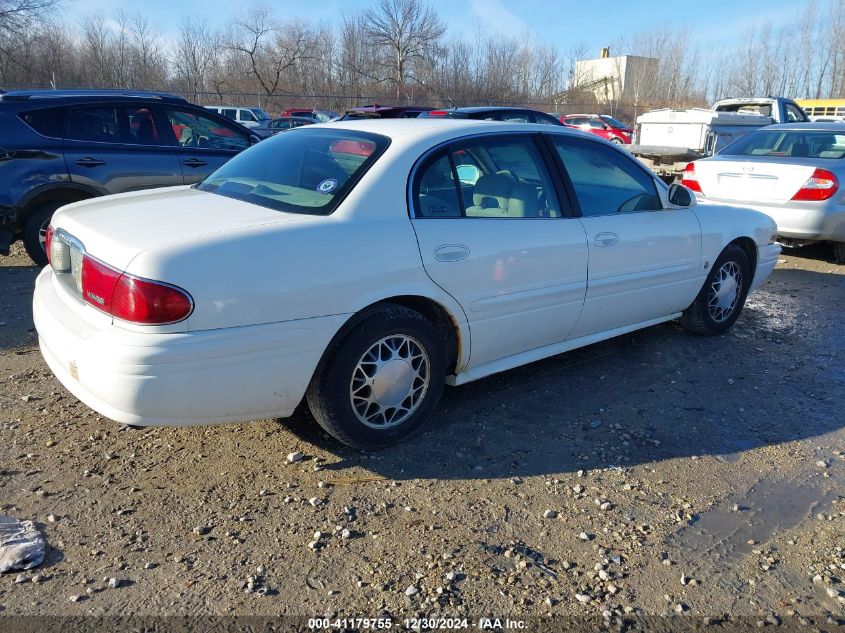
[[249, 117]]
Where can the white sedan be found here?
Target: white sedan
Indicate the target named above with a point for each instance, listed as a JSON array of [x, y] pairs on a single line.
[[791, 172], [362, 265]]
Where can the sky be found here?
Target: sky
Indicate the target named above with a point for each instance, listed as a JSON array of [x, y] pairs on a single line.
[[564, 23]]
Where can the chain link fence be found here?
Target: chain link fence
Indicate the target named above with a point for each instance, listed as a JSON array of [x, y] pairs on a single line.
[[274, 104]]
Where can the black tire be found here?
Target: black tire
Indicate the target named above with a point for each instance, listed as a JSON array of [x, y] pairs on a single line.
[[616, 141], [838, 252], [699, 318], [329, 394], [36, 222]]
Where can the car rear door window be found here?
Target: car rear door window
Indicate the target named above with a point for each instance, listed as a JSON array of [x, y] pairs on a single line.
[[605, 180], [130, 125], [501, 177]]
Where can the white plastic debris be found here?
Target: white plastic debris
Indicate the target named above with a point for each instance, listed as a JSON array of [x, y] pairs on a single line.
[[21, 545]]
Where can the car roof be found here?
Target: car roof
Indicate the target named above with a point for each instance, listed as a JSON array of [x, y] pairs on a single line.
[[810, 126], [473, 109], [441, 128], [381, 108], [82, 95]]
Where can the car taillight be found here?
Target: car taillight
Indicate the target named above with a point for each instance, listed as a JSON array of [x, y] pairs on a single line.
[[149, 302], [48, 243], [129, 298], [689, 180], [98, 281], [438, 113], [822, 185]]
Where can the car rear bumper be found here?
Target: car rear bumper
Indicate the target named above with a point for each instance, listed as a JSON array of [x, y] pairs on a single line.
[[192, 378], [825, 222], [767, 259]]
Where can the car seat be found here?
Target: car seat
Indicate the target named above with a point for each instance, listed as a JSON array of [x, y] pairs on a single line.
[[501, 196]]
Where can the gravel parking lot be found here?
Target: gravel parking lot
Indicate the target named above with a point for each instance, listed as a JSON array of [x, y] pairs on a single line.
[[654, 474]]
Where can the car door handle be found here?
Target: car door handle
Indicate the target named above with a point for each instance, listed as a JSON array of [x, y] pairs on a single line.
[[194, 162], [89, 161], [606, 239], [451, 252]]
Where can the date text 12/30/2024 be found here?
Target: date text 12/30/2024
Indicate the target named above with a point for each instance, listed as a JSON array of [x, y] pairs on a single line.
[[417, 624]]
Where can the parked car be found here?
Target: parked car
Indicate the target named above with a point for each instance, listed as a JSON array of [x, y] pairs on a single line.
[[363, 283], [384, 112], [319, 116], [494, 113], [602, 125], [280, 124], [791, 172], [248, 117], [60, 146]]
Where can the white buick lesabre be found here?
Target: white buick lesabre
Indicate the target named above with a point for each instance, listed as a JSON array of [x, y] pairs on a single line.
[[361, 265]]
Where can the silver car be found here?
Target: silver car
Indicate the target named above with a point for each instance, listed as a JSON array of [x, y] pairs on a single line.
[[793, 172]]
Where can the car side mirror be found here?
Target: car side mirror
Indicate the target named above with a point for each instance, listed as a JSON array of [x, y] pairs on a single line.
[[680, 196], [468, 174], [254, 139]]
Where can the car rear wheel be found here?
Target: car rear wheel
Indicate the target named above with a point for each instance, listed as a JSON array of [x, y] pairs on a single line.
[[720, 301], [35, 231], [381, 381], [839, 252]]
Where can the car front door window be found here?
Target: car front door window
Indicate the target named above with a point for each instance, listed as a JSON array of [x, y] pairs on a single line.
[[605, 180], [193, 129]]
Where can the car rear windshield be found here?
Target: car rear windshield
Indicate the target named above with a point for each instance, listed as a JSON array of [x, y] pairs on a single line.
[[789, 143], [302, 171]]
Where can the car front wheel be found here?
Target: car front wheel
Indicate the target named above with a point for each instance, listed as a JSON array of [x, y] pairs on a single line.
[[381, 381], [722, 297]]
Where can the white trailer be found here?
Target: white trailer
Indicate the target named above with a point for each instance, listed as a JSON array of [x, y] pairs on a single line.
[[669, 139], [666, 140]]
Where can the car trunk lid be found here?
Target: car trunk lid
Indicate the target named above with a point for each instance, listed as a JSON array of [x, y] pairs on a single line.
[[751, 181], [115, 229]]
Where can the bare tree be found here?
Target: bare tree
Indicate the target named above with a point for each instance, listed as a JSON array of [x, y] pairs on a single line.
[[273, 50], [407, 31], [17, 15], [196, 51]]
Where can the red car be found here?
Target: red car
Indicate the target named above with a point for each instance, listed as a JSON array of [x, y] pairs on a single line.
[[601, 125]]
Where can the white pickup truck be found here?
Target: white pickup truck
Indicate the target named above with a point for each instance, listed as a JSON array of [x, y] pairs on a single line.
[[666, 140]]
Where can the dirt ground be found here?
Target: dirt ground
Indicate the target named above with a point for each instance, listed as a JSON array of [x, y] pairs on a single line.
[[686, 477]]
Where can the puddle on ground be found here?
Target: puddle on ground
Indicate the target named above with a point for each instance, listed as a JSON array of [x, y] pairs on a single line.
[[772, 505]]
